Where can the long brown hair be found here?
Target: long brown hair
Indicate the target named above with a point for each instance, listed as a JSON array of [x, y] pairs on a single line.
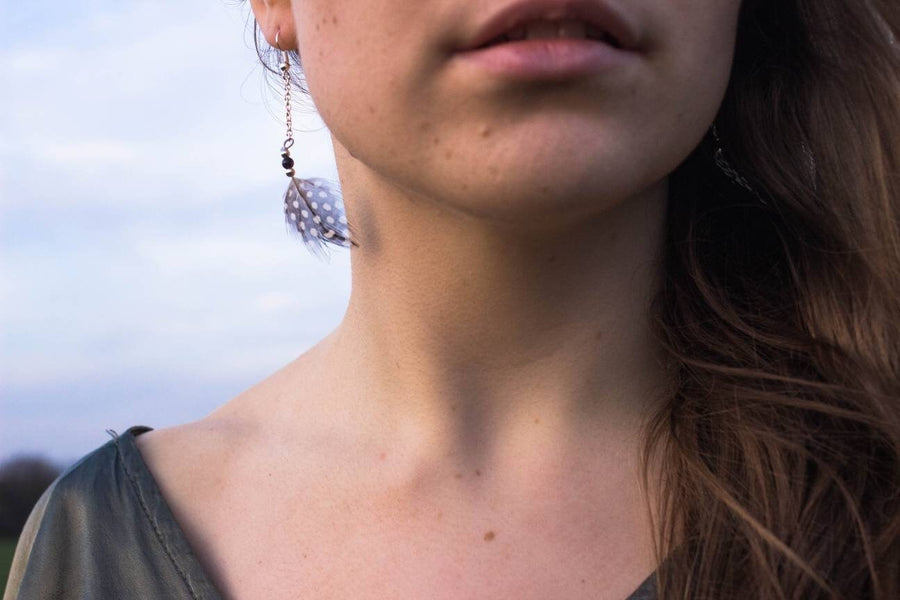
[[780, 448]]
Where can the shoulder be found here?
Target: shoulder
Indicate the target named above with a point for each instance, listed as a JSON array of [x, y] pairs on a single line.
[[69, 500], [98, 531], [59, 526], [193, 463], [74, 497]]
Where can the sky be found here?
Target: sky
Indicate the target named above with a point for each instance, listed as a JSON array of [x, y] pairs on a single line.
[[146, 275]]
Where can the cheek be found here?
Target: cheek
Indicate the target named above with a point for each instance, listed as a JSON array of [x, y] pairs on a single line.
[[318, 26], [700, 51], [687, 79], [355, 61]]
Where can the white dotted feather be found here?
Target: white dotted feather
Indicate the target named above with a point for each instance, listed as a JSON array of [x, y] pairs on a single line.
[[313, 208]]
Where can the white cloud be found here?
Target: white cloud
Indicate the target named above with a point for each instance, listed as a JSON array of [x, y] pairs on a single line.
[[31, 61], [86, 152], [276, 301]]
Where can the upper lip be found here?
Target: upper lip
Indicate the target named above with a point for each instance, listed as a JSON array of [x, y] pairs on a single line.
[[514, 14]]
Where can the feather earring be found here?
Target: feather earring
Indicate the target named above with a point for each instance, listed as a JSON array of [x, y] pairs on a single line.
[[730, 171], [313, 208]]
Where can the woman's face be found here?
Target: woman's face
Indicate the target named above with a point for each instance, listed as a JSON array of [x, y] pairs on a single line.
[[397, 97]]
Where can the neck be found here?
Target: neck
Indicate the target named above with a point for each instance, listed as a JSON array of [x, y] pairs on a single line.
[[483, 341]]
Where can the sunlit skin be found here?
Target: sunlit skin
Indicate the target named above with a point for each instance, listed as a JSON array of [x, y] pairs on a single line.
[[490, 376], [509, 234]]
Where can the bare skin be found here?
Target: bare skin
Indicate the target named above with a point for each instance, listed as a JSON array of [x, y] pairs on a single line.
[[472, 428]]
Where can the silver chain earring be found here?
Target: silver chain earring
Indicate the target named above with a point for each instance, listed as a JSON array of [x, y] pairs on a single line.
[[730, 171], [312, 207]]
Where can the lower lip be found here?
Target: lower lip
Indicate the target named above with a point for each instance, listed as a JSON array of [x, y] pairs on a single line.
[[547, 58]]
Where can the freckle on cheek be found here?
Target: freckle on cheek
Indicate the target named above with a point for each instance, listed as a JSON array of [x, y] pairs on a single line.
[[489, 536]]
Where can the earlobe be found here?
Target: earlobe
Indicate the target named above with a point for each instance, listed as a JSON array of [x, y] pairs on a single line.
[[276, 17]]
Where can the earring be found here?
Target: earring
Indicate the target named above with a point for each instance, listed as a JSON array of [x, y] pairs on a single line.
[[312, 207], [731, 172]]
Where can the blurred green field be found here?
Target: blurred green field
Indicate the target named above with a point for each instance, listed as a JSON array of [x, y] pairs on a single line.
[[7, 547]]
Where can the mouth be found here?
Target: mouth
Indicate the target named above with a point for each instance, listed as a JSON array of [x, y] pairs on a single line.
[[570, 29], [592, 20]]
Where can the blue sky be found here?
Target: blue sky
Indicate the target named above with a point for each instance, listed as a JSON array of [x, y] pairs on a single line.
[[146, 276]]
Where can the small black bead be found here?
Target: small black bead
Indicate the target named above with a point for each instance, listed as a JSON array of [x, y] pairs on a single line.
[[288, 162]]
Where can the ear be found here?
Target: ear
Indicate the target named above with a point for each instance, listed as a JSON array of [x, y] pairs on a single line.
[[276, 16]]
